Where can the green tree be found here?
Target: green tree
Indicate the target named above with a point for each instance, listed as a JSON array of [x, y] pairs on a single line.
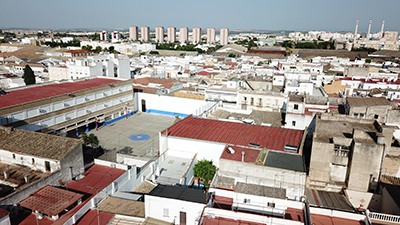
[[367, 60], [154, 53], [90, 139], [232, 55], [29, 76], [97, 49], [205, 169], [260, 63]]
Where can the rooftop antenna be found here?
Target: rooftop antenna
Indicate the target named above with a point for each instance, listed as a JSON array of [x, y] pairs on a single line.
[[369, 30]]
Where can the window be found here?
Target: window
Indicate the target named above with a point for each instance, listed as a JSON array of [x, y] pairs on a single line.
[[293, 123], [13, 156], [361, 115], [341, 150], [252, 101], [296, 106], [47, 165], [271, 204], [376, 116], [33, 161], [260, 102], [246, 200], [166, 212], [355, 114]]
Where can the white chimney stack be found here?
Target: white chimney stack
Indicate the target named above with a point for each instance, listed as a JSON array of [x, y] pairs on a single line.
[[355, 32], [383, 26], [369, 30], [242, 156]]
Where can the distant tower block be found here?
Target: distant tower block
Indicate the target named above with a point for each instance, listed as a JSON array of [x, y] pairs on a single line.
[[115, 35], [103, 36], [145, 34], [355, 32], [224, 33], [134, 33], [196, 35], [160, 34], [171, 34], [369, 30], [183, 34], [210, 35]]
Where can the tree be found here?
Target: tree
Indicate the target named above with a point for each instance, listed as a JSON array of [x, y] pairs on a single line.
[[205, 169], [154, 53], [29, 76], [232, 55], [260, 63], [90, 139]]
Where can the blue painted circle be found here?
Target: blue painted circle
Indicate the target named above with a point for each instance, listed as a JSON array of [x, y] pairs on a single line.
[[139, 137]]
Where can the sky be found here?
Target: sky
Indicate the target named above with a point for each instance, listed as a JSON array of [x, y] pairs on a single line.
[[298, 15]]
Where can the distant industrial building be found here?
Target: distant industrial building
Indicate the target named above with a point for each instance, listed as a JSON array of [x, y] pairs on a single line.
[[171, 34]]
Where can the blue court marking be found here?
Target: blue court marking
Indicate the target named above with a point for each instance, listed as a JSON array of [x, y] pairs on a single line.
[[139, 137]]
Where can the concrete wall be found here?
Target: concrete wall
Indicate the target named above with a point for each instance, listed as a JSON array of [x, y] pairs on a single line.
[[205, 150], [365, 165], [169, 105], [389, 206], [155, 207], [72, 164], [292, 181], [320, 170]]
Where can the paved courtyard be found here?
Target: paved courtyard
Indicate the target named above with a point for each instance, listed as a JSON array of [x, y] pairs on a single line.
[[134, 136]]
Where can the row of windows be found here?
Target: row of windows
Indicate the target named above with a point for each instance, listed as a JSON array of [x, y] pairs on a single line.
[[47, 163]]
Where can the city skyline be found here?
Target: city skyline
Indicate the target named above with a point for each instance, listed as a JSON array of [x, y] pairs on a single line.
[[300, 16]]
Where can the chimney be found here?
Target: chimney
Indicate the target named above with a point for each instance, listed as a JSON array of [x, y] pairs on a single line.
[[5, 175], [369, 30], [355, 32], [242, 156], [383, 26], [26, 177]]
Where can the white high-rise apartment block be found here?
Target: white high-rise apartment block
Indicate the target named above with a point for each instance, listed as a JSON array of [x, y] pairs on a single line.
[[145, 32], [183, 34], [196, 35], [115, 35], [133, 33], [159, 34], [223, 33], [210, 35], [171, 34], [104, 36]]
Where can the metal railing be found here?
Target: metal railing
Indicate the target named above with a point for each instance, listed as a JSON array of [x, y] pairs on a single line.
[[384, 217]]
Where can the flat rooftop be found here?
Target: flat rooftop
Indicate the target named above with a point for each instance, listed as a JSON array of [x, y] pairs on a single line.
[[122, 207], [39, 92], [95, 218], [284, 160], [134, 136], [179, 193], [173, 169], [260, 190], [329, 200], [325, 130]]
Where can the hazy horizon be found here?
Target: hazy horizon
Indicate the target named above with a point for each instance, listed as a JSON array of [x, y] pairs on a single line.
[[286, 15]]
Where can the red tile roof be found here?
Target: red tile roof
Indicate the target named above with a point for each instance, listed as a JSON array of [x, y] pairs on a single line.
[[250, 155], [78, 51], [50, 200], [204, 73], [35, 93], [95, 218], [167, 83], [226, 221], [3, 213], [272, 138], [96, 179], [324, 220]]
